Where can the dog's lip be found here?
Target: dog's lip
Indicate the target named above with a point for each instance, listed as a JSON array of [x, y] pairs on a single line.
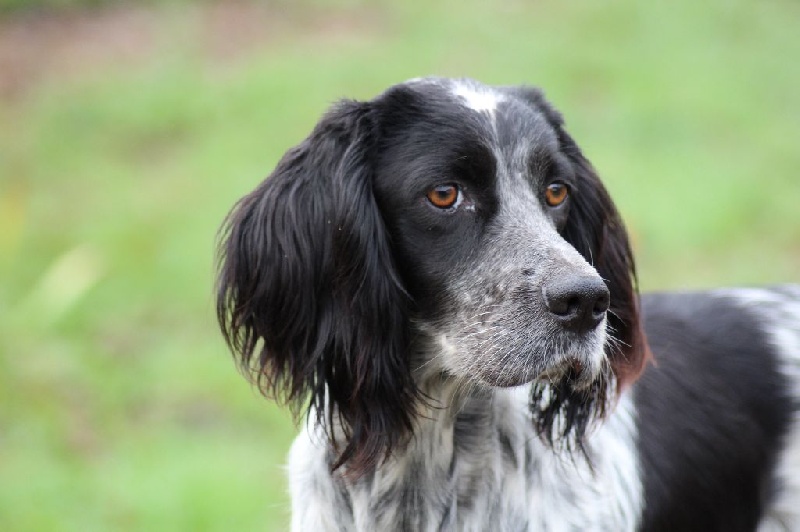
[[580, 375]]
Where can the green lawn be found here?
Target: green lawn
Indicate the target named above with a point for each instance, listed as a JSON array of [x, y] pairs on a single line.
[[120, 408]]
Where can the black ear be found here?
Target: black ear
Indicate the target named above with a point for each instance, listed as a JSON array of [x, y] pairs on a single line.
[[595, 229], [308, 295]]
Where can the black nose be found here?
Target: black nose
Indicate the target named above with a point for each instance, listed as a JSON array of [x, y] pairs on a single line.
[[579, 304]]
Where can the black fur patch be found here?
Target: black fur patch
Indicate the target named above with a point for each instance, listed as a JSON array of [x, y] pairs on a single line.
[[712, 415]]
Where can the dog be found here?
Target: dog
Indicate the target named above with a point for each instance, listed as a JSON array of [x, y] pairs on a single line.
[[438, 279]]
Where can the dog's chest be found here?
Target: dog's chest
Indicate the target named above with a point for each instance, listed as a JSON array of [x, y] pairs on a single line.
[[490, 473], [450, 494]]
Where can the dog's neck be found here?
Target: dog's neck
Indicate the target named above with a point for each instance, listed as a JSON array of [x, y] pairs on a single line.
[[457, 421]]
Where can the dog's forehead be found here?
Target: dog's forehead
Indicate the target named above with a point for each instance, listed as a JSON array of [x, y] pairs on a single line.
[[470, 93], [505, 117]]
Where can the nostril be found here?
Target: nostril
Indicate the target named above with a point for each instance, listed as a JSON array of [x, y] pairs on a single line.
[[573, 305], [602, 303], [560, 306]]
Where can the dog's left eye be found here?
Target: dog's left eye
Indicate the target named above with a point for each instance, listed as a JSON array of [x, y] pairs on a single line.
[[556, 193], [444, 196]]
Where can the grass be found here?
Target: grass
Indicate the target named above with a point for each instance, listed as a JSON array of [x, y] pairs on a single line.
[[120, 406]]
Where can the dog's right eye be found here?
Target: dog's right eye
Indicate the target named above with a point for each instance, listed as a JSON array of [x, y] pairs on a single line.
[[444, 196]]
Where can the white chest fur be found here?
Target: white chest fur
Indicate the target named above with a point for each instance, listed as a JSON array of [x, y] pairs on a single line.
[[482, 469]]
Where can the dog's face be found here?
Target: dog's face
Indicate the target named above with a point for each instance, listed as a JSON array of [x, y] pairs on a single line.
[[475, 190], [444, 229]]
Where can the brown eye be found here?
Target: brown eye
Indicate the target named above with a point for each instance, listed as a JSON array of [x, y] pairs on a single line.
[[444, 196], [556, 193]]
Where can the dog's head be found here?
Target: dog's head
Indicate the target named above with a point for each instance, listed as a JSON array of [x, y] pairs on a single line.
[[444, 230]]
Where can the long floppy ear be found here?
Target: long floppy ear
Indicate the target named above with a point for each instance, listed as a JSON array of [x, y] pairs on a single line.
[[595, 229], [308, 297]]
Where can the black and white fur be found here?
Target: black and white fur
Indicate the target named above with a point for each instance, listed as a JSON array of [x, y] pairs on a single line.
[[477, 367]]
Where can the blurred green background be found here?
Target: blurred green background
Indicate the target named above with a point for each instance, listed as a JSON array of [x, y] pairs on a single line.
[[127, 130]]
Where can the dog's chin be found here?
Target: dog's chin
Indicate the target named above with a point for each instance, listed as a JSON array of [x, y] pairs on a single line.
[[507, 379], [574, 372], [578, 373], [566, 397]]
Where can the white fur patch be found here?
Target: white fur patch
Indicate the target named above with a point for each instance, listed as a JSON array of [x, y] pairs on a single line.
[[477, 99]]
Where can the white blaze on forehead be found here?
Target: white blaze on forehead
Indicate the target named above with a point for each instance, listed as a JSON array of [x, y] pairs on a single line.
[[476, 98]]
